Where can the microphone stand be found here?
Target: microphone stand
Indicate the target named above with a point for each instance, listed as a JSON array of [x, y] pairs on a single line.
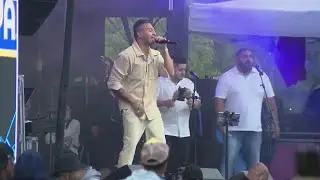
[[194, 133], [269, 126], [226, 150], [226, 119]]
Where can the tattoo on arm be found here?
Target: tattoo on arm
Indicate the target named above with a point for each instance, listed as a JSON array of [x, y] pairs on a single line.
[[273, 110]]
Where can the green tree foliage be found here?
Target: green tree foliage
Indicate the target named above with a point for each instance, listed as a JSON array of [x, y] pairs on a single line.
[[203, 57], [115, 35]]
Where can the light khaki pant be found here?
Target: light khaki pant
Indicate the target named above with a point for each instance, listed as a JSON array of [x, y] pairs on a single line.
[[134, 128]]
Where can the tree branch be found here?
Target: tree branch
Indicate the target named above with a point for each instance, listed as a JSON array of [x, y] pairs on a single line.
[[126, 27]]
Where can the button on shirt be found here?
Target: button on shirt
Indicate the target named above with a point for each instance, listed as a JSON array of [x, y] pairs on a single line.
[[244, 94], [176, 118], [138, 75]]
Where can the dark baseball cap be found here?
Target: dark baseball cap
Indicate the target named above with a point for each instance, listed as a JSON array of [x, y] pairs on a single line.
[[7, 149], [3, 159]]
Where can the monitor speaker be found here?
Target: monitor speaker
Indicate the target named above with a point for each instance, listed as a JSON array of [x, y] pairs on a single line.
[[211, 174], [32, 14]]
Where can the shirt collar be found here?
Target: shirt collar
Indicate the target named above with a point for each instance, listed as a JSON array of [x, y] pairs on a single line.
[[138, 51], [236, 70], [168, 80]]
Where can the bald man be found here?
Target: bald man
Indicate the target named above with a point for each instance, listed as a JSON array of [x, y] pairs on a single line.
[[257, 172]]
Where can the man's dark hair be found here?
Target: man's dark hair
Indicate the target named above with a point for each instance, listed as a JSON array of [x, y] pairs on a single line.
[[155, 167], [7, 149], [3, 159], [241, 50], [179, 60], [137, 24], [192, 172]]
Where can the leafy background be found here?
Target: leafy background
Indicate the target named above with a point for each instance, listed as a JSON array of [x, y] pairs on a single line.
[[203, 57], [208, 57]]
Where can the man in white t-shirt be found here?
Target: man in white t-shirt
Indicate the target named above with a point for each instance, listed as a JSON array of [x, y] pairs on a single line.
[[176, 113], [240, 90], [71, 133]]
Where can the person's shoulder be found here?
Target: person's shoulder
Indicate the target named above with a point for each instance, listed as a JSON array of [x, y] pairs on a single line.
[[162, 80], [227, 74], [231, 71], [75, 121], [266, 76], [126, 53], [187, 81]]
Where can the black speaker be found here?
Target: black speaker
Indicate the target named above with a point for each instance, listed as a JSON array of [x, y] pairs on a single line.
[[32, 14], [206, 89]]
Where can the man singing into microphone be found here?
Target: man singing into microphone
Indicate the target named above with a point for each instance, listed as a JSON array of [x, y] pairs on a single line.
[[133, 79], [240, 90], [176, 113]]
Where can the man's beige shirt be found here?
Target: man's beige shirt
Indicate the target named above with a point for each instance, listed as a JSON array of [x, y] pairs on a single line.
[[138, 75]]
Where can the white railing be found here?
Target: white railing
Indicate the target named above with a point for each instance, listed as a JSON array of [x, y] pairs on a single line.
[[20, 133]]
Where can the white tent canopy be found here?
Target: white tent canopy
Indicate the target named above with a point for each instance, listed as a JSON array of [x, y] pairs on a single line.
[[295, 18]]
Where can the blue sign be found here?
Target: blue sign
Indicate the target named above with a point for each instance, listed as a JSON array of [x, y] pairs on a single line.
[[8, 28]]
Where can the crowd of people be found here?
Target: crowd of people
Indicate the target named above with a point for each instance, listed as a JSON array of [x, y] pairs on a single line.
[[155, 98], [153, 160], [30, 166]]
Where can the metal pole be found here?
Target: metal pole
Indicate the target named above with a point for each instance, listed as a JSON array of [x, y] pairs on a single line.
[[64, 80], [226, 150]]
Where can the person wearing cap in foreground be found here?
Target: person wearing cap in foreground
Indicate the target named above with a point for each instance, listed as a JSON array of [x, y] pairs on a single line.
[[153, 159], [68, 167]]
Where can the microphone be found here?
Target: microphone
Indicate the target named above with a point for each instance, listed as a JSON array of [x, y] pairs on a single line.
[[194, 75], [165, 42], [259, 70]]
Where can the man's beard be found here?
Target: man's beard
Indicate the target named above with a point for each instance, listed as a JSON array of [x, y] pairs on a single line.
[[245, 67], [149, 43]]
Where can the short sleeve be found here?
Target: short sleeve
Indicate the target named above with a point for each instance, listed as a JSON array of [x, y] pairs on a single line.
[[119, 70], [158, 88], [268, 86], [222, 88], [161, 69]]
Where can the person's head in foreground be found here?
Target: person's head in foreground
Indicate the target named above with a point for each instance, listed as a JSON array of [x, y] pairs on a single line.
[[68, 167], [154, 156], [258, 172], [192, 172], [30, 165], [6, 162], [153, 159]]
